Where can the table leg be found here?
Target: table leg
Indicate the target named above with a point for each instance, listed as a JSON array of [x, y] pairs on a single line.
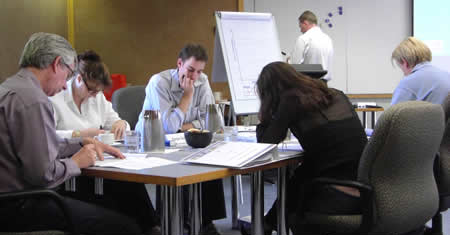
[[257, 203], [176, 210], [158, 199], [70, 185], [98, 182], [234, 203], [164, 202], [373, 119], [364, 119], [281, 205], [195, 208], [241, 191], [172, 210]]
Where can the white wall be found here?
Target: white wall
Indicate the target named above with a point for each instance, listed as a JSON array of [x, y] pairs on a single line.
[[364, 37]]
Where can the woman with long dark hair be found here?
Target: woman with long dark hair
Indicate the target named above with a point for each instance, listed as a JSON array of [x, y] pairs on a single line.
[[329, 130]]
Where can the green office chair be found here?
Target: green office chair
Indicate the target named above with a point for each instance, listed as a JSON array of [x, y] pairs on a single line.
[[442, 174], [395, 175], [128, 102]]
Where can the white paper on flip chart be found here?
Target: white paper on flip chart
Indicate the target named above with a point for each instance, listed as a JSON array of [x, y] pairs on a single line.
[[134, 162], [230, 154]]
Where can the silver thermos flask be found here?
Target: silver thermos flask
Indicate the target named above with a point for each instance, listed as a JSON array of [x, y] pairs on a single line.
[[153, 132], [214, 120]]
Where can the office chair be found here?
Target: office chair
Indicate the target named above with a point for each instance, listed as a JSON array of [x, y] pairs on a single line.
[[127, 102], [395, 175], [44, 193], [442, 174]]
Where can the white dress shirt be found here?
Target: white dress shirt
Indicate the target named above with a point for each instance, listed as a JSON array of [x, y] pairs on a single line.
[[314, 47], [95, 112]]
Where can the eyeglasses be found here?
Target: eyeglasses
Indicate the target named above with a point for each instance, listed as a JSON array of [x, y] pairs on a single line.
[[71, 72], [91, 90]]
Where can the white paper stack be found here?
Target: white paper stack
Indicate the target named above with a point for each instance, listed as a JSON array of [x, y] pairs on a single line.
[[233, 154]]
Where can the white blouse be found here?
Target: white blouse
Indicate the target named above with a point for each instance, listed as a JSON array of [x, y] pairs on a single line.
[[95, 112]]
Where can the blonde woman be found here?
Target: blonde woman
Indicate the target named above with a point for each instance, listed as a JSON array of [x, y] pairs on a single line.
[[422, 81]]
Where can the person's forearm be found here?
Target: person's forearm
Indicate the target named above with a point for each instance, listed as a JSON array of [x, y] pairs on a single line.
[[185, 101]]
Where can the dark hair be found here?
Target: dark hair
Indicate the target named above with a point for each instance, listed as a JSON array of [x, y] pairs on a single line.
[[193, 50], [308, 16], [277, 78], [91, 68]]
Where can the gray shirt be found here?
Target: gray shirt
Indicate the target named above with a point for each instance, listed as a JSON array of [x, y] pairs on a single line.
[[31, 154], [164, 93]]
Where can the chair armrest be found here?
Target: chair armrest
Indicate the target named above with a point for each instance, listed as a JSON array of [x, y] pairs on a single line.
[[42, 193], [366, 196]]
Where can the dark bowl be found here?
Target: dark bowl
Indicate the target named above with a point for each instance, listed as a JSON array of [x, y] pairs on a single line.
[[198, 139]]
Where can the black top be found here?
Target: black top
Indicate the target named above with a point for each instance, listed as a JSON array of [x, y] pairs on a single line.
[[333, 138]]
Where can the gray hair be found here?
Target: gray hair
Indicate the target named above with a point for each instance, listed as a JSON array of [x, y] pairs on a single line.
[[43, 48]]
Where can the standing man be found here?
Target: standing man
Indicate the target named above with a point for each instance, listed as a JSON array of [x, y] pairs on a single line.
[[181, 95], [422, 81], [32, 156], [314, 46]]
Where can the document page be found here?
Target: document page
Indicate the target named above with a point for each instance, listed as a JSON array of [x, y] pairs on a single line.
[[133, 162], [230, 154]]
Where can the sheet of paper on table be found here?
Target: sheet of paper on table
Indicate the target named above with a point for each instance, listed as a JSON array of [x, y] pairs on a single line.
[[133, 161]]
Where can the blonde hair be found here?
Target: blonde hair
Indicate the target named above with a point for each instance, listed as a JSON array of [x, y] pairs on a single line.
[[413, 51]]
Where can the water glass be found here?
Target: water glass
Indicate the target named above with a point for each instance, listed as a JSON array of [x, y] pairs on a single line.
[[230, 133], [132, 141]]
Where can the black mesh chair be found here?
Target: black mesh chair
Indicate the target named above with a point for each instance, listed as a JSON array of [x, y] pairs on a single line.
[[395, 176], [442, 173], [45, 193], [127, 102]]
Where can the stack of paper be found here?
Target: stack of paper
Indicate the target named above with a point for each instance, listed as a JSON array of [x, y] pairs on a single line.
[[233, 154]]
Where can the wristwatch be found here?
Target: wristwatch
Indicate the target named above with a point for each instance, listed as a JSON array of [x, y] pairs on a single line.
[[76, 134]]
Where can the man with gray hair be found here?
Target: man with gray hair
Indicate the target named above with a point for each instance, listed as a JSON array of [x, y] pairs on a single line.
[[32, 156], [314, 46]]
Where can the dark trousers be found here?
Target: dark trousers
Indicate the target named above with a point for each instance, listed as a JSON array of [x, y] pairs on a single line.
[[128, 198], [44, 214], [213, 201]]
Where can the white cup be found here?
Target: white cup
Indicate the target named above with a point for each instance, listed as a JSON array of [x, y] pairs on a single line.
[[106, 138], [217, 95]]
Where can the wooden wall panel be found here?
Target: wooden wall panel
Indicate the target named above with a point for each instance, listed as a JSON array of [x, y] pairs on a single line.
[[21, 18], [139, 38]]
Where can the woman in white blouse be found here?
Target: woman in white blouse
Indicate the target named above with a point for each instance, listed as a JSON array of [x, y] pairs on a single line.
[[82, 110]]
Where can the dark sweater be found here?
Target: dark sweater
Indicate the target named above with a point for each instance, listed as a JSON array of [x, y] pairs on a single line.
[[333, 138]]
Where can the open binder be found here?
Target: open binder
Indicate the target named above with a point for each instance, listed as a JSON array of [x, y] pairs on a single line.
[[234, 154]]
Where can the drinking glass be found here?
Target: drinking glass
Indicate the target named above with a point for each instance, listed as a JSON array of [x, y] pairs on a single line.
[[132, 141]]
